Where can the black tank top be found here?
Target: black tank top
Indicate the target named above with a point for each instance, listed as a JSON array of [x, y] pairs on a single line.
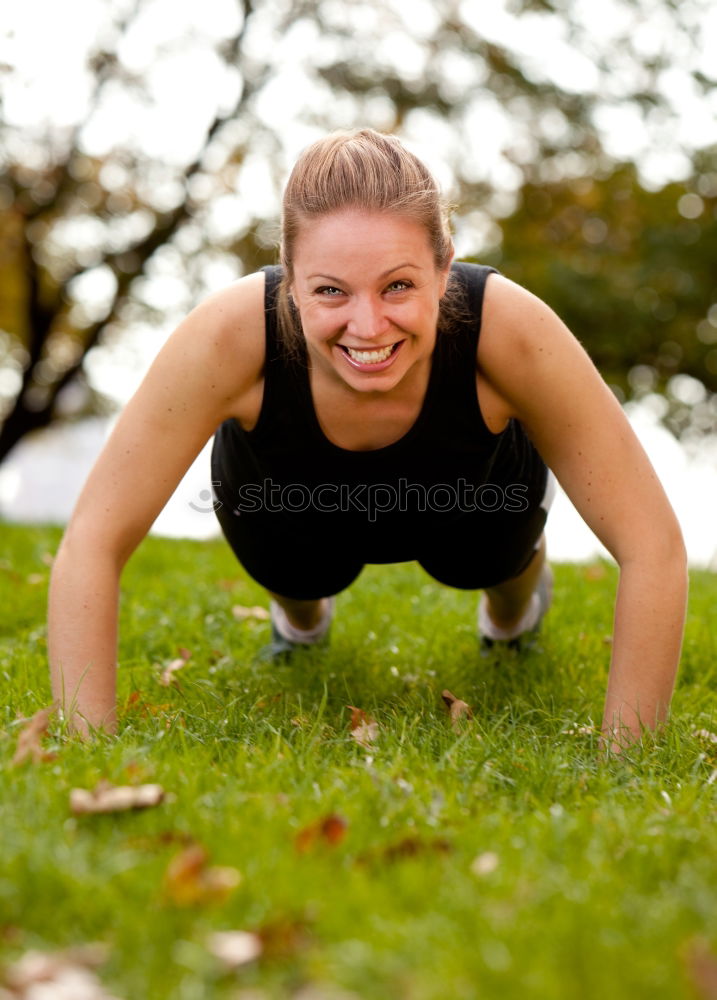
[[447, 465]]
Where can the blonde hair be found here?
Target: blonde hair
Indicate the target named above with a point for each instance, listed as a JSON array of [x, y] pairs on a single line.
[[360, 169]]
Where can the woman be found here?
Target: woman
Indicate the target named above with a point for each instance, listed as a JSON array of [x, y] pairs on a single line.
[[375, 403]]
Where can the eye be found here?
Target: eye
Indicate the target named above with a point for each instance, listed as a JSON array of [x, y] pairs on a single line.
[[400, 285], [329, 291]]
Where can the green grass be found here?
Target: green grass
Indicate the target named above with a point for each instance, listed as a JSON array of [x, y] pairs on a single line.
[[606, 881]]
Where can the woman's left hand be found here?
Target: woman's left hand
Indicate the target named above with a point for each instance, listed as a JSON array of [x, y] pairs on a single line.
[[549, 384]]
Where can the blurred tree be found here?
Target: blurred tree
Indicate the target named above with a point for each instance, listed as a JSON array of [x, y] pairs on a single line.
[[632, 272], [103, 226]]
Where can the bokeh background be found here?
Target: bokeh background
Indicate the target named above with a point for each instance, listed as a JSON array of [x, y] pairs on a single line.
[[144, 145]]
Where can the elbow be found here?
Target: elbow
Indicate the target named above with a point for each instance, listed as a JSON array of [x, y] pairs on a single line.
[[87, 540], [675, 550], [661, 550]]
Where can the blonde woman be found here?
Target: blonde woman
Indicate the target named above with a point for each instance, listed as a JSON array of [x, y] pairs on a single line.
[[372, 401]]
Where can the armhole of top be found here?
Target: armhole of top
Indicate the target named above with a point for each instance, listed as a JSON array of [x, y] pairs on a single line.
[[272, 347], [272, 279], [474, 278]]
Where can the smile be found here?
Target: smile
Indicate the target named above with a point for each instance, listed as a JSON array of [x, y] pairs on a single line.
[[373, 357]]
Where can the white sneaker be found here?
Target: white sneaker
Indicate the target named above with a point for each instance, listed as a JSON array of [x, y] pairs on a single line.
[[523, 638]]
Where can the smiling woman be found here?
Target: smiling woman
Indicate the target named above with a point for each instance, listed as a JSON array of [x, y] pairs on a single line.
[[374, 402], [368, 305]]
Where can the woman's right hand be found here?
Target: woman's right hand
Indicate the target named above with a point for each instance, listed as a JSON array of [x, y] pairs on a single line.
[[209, 370]]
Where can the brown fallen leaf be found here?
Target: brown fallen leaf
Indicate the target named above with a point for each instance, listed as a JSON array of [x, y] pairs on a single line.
[[706, 735], [189, 879], [61, 975], [136, 702], [107, 798], [330, 830], [155, 841], [363, 728], [256, 612], [460, 711], [701, 968], [595, 572], [29, 740], [321, 991], [284, 936], [234, 948], [167, 677], [408, 847], [133, 698]]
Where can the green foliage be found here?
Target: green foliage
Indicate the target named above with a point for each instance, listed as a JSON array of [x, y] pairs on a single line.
[[597, 878], [631, 271]]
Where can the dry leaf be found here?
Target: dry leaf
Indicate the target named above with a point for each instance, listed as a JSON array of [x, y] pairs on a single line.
[[106, 798], [146, 708], [167, 676], [284, 937], [701, 967], [595, 572], [173, 666], [133, 698], [330, 830], [62, 975], [705, 734], [460, 711], [256, 612], [320, 991], [409, 847], [189, 878], [485, 863], [363, 729], [29, 741], [234, 948]]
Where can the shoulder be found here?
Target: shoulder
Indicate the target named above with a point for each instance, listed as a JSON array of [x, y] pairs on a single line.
[[233, 316], [225, 332], [520, 336], [510, 308], [215, 357]]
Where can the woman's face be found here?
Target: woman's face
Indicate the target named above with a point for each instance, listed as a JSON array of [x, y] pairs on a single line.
[[367, 289]]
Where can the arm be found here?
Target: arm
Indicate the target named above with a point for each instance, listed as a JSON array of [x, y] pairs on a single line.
[[550, 385], [205, 373]]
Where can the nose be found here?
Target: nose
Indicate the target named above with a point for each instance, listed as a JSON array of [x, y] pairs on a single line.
[[367, 320]]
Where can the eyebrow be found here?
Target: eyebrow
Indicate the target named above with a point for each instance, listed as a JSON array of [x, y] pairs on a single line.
[[398, 267]]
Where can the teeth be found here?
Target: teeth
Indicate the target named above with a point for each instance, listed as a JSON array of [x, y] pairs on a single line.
[[370, 357]]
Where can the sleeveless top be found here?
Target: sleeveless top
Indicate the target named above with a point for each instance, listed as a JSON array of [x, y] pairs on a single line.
[[447, 465]]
